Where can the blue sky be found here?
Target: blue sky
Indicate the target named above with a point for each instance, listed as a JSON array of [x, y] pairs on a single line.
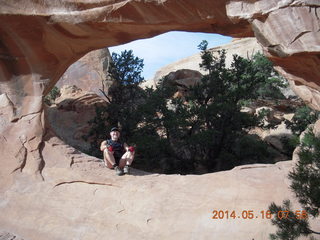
[[168, 48]]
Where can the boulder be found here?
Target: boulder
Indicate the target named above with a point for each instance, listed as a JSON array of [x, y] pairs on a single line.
[[183, 79], [89, 72], [71, 114]]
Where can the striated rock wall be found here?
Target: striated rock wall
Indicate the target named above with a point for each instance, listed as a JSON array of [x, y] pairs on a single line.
[[89, 72], [69, 117], [289, 34], [39, 40]]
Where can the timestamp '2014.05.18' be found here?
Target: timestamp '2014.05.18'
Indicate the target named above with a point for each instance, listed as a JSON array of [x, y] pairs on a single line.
[[251, 214]]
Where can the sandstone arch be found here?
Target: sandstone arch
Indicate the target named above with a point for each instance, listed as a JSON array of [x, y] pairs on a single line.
[[40, 39]]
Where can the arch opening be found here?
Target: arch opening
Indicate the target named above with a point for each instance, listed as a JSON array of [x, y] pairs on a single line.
[[247, 50]]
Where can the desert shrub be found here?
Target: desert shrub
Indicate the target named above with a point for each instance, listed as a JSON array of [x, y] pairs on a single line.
[[52, 95], [271, 87], [303, 117], [251, 149], [205, 128], [289, 144], [305, 182], [98, 131], [125, 69]]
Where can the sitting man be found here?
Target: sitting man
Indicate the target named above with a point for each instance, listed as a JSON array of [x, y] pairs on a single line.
[[116, 155]]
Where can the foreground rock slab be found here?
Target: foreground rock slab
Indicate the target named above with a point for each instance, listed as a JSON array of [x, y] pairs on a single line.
[[81, 199]]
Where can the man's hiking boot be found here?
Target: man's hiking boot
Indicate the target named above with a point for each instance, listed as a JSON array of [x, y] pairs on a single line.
[[126, 169], [118, 170]]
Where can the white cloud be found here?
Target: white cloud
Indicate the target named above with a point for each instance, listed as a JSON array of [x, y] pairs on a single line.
[[168, 47]]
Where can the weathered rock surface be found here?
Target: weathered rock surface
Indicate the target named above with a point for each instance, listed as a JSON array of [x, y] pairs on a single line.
[[71, 114], [182, 80], [83, 200], [309, 95], [8, 236], [285, 29], [39, 40], [89, 72]]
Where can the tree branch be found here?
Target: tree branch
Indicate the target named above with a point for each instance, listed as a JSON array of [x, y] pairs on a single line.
[[311, 231], [104, 94]]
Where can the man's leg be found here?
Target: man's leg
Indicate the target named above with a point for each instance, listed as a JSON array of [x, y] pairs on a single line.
[[110, 162], [108, 158], [126, 159]]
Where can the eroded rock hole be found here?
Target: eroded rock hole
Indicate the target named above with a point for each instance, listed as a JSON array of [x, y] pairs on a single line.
[[181, 126]]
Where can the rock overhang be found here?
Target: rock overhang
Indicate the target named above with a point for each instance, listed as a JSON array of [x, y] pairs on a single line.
[[40, 39]]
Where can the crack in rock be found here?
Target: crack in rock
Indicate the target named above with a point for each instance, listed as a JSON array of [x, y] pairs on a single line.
[[298, 36], [9, 236], [91, 183], [252, 167]]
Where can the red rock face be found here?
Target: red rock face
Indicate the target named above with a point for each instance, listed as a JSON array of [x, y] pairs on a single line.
[[69, 117], [289, 34], [88, 73], [39, 40]]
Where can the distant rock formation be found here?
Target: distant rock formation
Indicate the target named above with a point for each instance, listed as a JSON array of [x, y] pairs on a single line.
[[244, 47], [183, 79]]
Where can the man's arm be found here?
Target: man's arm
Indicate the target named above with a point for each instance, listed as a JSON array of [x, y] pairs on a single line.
[[103, 146], [126, 147]]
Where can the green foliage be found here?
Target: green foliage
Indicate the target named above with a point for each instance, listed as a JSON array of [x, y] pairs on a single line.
[[305, 182], [303, 117], [204, 129], [52, 95], [207, 127], [289, 225], [251, 149], [98, 132], [270, 88], [289, 144], [306, 175], [125, 69]]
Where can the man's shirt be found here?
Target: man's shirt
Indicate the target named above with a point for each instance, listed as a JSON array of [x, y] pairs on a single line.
[[117, 147]]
